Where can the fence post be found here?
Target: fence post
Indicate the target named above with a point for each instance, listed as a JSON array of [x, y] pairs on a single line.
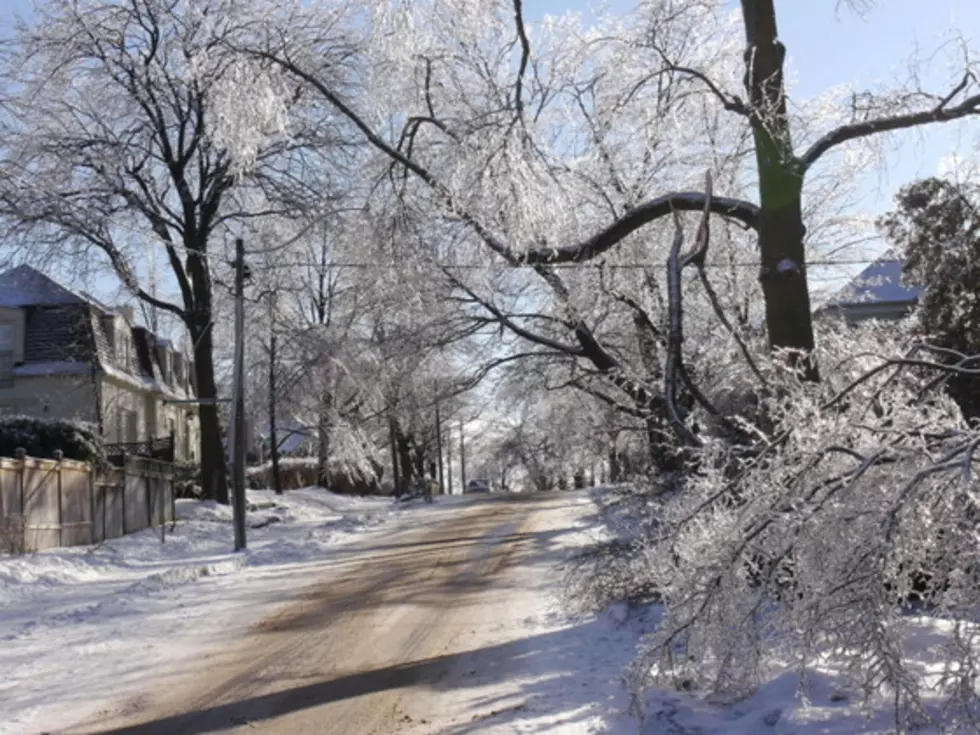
[[58, 454], [91, 504], [122, 500], [20, 453], [173, 501], [148, 491], [162, 503]]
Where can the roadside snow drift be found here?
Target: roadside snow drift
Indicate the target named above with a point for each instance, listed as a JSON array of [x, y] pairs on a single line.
[[82, 623]]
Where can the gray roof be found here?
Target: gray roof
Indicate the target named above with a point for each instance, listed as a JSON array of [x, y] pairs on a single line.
[[881, 282], [25, 286], [67, 333]]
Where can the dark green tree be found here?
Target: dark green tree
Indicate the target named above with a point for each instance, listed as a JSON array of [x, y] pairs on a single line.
[[936, 225]]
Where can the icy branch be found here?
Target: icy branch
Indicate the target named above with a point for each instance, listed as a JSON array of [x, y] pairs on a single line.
[[942, 112]]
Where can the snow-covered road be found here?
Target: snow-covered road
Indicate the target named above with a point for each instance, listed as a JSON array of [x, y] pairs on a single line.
[[446, 619]]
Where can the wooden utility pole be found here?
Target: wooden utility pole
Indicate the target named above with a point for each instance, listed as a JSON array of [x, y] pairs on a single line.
[[238, 405], [462, 456], [273, 434], [442, 486], [449, 461]]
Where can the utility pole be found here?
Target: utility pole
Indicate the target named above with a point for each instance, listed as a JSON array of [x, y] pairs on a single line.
[[449, 460], [442, 486], [393, 438], [462, 457], [238, 410], [273, 434]]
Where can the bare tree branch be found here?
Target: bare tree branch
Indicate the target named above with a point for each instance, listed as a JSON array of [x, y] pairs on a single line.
[[942, 112], [525, 58]]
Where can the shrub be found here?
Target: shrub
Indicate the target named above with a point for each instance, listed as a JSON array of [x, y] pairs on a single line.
[[187, 481], [299, 472], [12, 539], [43, 437]]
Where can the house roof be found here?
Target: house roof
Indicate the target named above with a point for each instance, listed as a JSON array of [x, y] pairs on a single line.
[[881, 283], [57, 333], [25, 286], [66, 333]]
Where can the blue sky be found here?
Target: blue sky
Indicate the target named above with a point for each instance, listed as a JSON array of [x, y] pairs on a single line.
[[829, 47]]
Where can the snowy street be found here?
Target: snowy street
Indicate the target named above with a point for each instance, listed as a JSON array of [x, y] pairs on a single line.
[[414, 619]]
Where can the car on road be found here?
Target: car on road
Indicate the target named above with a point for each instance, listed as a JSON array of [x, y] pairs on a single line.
[[478, 486]]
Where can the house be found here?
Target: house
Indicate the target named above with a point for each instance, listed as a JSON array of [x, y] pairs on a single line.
[[66, 355], [876, 293]]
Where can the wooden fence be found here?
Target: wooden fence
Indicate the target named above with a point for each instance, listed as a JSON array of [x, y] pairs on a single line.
[[46, 503]]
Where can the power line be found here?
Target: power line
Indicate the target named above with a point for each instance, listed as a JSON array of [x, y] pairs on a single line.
[[340, 265], [186, 252]]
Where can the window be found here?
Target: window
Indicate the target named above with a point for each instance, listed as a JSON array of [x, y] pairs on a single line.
[[6, 356]]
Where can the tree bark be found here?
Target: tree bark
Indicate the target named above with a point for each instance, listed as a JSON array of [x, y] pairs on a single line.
[[405, 459], [395, 474], [781, 230], [323, 439], [214, 481]]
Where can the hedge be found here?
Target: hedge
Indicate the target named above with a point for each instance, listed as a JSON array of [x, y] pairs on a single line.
[[43, 437]]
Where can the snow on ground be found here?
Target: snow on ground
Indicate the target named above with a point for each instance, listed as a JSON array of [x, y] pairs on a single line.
[[83, 625], [75, 623], [783, 705]]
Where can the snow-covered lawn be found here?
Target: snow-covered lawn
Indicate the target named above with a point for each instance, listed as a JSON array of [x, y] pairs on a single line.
[[784, 704], [84, 624]]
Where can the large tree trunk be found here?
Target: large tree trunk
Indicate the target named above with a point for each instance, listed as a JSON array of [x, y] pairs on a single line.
[[323, 428], [198, 318], [781, 229], [213, 479], [405, 459]]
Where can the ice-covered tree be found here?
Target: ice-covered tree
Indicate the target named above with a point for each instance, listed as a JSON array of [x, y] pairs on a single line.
[[507, 129], [120, 136], [936, 226]]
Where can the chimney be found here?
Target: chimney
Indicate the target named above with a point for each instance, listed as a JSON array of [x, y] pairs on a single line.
[[127, 312]]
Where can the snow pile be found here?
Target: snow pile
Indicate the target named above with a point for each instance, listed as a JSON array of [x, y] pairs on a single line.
[[289, 527], [85, 619]]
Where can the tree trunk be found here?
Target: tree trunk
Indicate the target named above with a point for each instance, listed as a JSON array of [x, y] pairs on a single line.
[[418, 456], [323, 440], [404, 459], [781, 230], [395, 474], [214, 481]]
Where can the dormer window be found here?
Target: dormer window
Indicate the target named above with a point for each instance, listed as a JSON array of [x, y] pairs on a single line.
[[122, 346], [164, 361]]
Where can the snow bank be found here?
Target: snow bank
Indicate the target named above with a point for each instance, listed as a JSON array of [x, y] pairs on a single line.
[[289, 527]]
